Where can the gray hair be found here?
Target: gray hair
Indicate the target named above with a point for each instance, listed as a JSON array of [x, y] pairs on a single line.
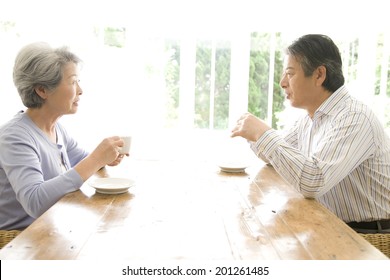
[[38, 64]]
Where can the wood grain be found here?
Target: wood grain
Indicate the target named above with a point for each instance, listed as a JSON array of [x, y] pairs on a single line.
[[191, 212]]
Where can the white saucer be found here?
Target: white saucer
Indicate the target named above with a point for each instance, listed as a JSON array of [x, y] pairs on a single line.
[[233, 167], [111, 185]]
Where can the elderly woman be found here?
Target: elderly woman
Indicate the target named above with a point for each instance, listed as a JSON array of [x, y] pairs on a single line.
[[39, 161]]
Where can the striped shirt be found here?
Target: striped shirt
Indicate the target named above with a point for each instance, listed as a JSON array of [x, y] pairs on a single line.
[[341, 157]]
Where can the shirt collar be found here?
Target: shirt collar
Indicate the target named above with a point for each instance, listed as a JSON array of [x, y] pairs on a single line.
[[330, 104]]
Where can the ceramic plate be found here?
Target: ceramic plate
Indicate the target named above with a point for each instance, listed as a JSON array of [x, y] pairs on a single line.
[[111, 185], [233, 167]]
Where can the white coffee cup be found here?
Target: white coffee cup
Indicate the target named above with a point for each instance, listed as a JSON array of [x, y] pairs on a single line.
[[125, 149]]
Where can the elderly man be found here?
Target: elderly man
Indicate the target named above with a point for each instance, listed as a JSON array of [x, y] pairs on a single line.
[[339, 152]]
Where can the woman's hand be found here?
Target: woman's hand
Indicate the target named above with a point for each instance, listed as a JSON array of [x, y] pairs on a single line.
[[107, 152], [117, 160]]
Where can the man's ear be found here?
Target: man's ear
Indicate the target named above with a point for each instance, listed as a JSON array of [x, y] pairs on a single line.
[[41, 91], [320, 75]]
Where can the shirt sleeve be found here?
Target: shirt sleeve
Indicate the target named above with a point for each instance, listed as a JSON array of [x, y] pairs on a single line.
[[346, 145], [34, 178]]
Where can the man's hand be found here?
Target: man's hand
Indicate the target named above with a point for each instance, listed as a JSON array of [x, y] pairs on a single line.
[[250, 127]]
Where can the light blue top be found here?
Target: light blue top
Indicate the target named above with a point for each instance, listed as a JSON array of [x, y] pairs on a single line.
[[34, 172]]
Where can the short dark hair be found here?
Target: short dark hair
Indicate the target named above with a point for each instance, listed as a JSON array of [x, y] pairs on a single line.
[[314, 50]]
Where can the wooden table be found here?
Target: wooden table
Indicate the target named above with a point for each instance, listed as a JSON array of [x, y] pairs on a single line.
[[183, 211]]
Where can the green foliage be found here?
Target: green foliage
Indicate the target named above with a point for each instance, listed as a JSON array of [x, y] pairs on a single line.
[[352, 59], [222, 88], [7, 26], [202, 84], [258, 84], [259, 77], [114, 37], [278, 100], [258, 81], [172, 82], [379, 69]]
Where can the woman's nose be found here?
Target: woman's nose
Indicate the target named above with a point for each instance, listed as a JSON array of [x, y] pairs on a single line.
[[80, 90]]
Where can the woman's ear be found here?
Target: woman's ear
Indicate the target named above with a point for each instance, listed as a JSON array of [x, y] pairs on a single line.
[[41, 91]]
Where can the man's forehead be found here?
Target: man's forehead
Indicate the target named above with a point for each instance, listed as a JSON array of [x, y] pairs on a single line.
[[289, 60]]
